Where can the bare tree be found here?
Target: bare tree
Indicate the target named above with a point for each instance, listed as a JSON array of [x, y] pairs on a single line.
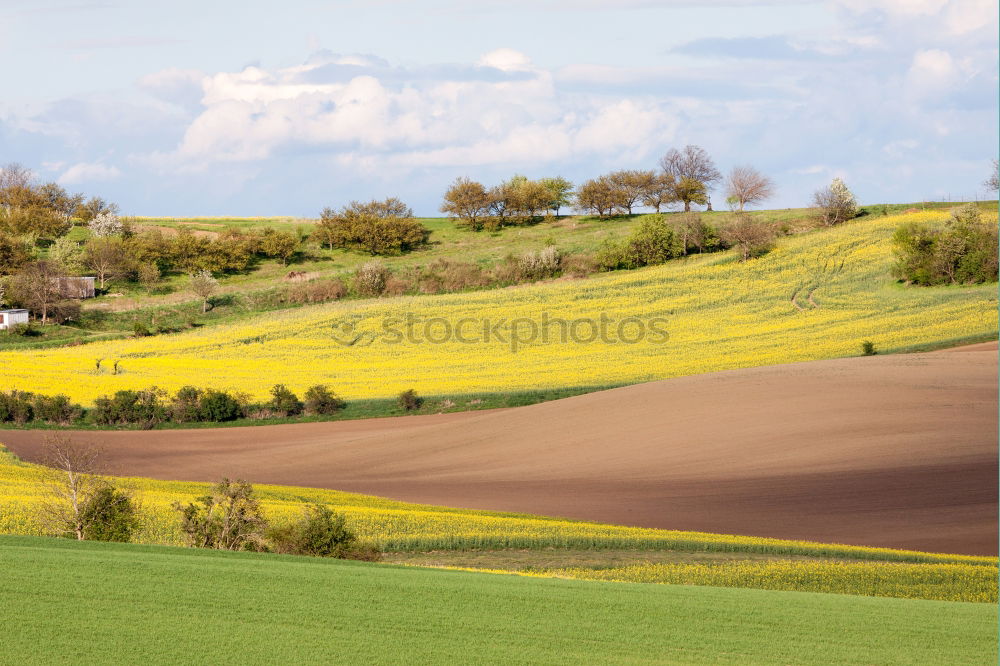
[[204, 286], [993, 182], [746, 186], [71, 481], [693, 163], [36, 286]]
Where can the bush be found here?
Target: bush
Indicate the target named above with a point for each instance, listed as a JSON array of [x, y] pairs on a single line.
[[28, 330], [142, 408], [109, 515], [55, 409], [229, 518], [316, 291], [539, 265], [321, 400], [751, 238], [377, 227], [139, 330], [218, 406], [409, 400], [320, 532], [284, 402], [868, 348], [16, 407], [578, 265], [963, 252], [370, 279]]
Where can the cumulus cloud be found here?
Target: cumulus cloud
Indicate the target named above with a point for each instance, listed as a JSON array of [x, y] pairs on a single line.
[[440, 121], [84, 172]]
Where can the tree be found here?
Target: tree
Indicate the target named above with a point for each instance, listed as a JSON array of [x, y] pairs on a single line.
[[204, 287], [284, 401], [149, 275], [106, 224], [751, 238], [746, 186], [229, 518], [467, 201], [36, 287], [377, 227], [690, 190], [693, 163], [320, 532], [599, 196], [13, 254], [68, 254], [277, 244], [632, 186], [836, 203], [106, 257], [662, 192], [993, 182], [80, 502], [560, 191]]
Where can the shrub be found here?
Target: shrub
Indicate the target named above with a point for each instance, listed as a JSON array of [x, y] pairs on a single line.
[[377, 227], [27, 330], [16, 407], [139, 330], [316, 291], [229, 518], [749, 237], [55, 409], [835, 203], [186, 406], [284, 402], [321, 400], [578, 265], [109, 515], [142, 408], [409, 400], [538, 265], [320, 532], [371, 278], [964, 251], [218, 406], [868, 348]]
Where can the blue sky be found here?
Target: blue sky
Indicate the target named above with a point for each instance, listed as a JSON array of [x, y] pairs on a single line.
[[262, 108]]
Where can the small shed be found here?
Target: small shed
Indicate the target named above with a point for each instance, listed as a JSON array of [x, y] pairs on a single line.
[[9, 318], [76, 287]]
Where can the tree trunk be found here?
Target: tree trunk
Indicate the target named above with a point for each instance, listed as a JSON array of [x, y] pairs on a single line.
[[687, 206]]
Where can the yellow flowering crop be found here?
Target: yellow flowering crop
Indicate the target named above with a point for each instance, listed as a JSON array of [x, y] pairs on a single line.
[[818, 295]]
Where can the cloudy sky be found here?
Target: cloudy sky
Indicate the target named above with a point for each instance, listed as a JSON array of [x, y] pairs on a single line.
[[226, 107]]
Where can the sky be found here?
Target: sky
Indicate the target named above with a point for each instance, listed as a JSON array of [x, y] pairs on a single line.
[[252, 108]]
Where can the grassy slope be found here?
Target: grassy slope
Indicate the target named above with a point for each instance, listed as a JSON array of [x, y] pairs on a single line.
[[100, 603]]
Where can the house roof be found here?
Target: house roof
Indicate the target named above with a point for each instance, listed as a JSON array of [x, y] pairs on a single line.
[[15, 310]]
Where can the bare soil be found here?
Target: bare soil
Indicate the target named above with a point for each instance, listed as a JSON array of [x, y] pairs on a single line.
[[897, 451]]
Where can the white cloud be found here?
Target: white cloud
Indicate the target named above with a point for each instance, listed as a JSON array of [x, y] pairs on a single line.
[[515, 117], [84, 172]]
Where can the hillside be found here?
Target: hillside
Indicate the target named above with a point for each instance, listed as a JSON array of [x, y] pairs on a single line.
[[817, 295], [895, 451], [246, 608]]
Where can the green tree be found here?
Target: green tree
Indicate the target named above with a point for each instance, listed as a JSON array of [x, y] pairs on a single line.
[[560, 192]]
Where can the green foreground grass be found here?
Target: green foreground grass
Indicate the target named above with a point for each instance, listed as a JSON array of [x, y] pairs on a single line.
[[87, 603]]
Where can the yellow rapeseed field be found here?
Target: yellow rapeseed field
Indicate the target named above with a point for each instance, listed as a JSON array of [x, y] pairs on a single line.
[[944, 582], [817, 295]]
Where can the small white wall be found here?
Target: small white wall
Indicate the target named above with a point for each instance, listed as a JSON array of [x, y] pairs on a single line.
[[11, 318]]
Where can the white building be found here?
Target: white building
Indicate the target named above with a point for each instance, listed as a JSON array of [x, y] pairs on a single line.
[[9, 318]]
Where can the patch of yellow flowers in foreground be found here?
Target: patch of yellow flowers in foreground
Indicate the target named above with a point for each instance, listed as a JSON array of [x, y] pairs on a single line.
[[399, 526], [817, 295]]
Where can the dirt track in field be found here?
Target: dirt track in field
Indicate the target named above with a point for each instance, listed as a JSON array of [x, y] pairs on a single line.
[[896, 451]]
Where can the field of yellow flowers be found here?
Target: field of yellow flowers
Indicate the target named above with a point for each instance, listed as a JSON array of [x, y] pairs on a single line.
[[815, 296], [399, 526]]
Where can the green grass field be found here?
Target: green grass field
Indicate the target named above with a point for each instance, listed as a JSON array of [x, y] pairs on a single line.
[[89, 603]]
